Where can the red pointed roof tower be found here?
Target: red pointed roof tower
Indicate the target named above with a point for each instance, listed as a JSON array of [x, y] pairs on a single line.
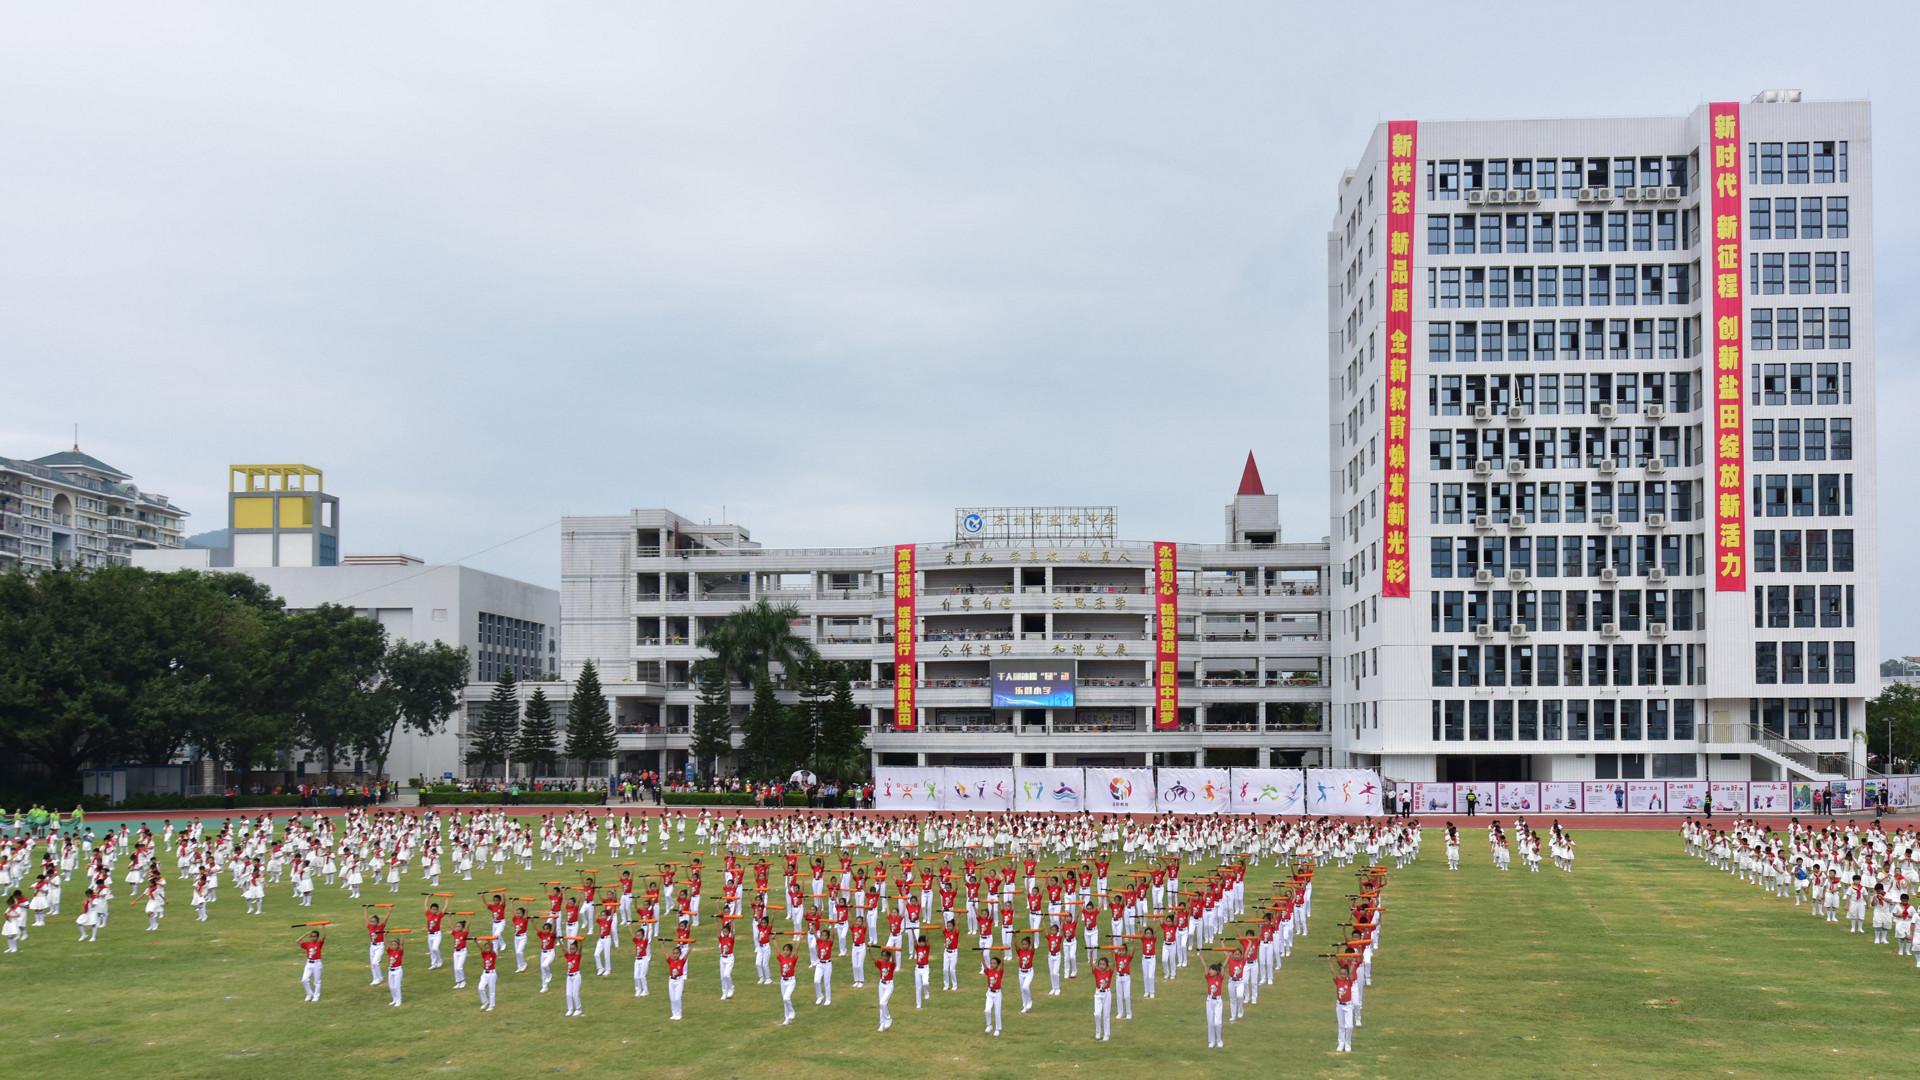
[[1250, 479]]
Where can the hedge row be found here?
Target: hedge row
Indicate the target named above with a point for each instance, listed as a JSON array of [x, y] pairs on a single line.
[[525, 798], [192, 802], [725, 798]]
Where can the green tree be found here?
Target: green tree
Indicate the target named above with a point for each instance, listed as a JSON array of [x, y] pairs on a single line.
[[765, 718], [799, 736], [537, 745], [420, 683], [490, 742], [327, 674], [712, 717], [590, 736], [841, 749], [1898, 747], [751, 640]]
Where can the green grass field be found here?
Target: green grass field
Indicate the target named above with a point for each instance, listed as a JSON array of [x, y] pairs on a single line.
[[1643, 963]]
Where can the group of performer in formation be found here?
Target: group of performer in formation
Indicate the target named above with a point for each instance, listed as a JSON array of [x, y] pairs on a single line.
[[1558, 843], [1868, 873], [1024, 893]]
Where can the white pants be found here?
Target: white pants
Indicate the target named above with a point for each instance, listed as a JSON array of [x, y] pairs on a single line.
[[676, 989], [726, 977], [1125, 985], [310, 980], [1343, 1016], [993, 1011], [1103, 1014], [640, 965], [823, 983], [573, 992], [376, 954], [786, 998], [885, 996], [1215, 1036], [459, 969], [393, 984], [487, 986]]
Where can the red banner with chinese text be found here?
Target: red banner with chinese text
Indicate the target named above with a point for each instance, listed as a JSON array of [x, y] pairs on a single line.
[[1396, 565], [1166, 637], [906, 671], [1729, 349]]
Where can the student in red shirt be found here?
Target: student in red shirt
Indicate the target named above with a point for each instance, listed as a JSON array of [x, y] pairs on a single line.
[[922, 970], [823, 968], [725, 943], [489, 974], [549, 940], [884, 965], [460, 936], [376, 947], [1102, 1000], [950, 956], [396, 955], [1346, 969], [994, 974], [789, 964], [1123, 980], [1024, 956], [1216, 986], [434, 918], [642, 945], [312, 945], [1055, 939], [573, 979], [677, 978], [520, 924]]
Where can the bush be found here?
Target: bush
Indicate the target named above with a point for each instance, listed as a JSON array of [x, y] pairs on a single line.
[[193, 802], [449, 797], [724, 798]]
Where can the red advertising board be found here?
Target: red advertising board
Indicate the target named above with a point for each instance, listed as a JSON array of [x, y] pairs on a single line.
[[1729, 348], [1396, 564]]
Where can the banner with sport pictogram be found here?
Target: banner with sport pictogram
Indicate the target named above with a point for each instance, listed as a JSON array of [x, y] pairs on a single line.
[[1049, 790], [1269, 791], [1193, 791], [976, 789], [1343, 792]]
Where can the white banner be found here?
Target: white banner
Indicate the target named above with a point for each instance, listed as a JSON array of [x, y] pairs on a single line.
[[1193, 791], [906, 788], [1560, 796], [1604, 797], [1269, 791], [1343, 792], [1647, 796], [1846, 795], [1519, 796], [1900, 791], [976, 789], [1685, 796], [1054, 790], [1485, 792], [1729, 796], [1767, 796], [1432, 798], [1120, 791]]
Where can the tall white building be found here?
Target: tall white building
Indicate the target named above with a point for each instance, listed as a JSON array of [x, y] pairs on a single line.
[[1035, 636], [1603, 484]]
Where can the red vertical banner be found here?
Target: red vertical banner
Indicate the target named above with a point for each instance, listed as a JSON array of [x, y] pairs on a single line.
[[1166, 636], [906, 672], [1396, 565], [1729, 349]]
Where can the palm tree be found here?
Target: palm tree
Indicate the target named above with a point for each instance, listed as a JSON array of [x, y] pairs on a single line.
[[751, 640]]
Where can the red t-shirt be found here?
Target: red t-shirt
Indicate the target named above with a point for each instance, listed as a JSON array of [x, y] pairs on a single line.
[[460, 939], [994, 975], [641, 942], [922, 953], [1102, 979], [395, 954], [787, 965], [433, 921], [823, 949], [1215, 981], [312, 948], [573, 963], [488, 960], [676, 967], [884, 966]]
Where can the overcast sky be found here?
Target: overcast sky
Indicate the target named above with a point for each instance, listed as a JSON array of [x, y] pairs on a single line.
[[835, 268]]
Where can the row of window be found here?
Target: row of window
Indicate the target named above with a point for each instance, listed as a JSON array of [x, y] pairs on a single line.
[[1799, 272], [1563, 556], [1816, 162], [1578, 391], [1569, 339], [1801, 384], [1800, 718], [1578, 720], [1800, 328], [1779, 607], [1576, 447], [1568, 665], [1797, 663], [1575, 501], [1794, 551], [1551, 610], [1796, 219], [1802, 440], [1542, 233], [1802, 495], [1561, 286], [1550, 176]]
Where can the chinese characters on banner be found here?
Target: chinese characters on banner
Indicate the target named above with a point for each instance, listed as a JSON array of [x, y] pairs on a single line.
[[1729, 336], [1396, 567], [905, 670], [1166, 637]]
